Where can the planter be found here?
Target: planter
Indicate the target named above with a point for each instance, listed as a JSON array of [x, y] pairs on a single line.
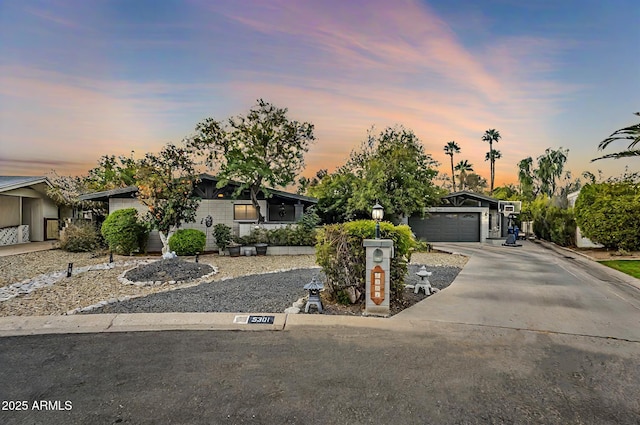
[[261, 248], [234, 251]]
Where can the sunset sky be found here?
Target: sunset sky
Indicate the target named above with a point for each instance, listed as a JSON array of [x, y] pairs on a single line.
[[81, 79]]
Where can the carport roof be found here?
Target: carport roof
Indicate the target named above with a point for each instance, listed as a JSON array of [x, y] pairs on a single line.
[[16, 182], [465, 194]]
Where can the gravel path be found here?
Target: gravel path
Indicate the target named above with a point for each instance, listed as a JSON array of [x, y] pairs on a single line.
[[265, 293]]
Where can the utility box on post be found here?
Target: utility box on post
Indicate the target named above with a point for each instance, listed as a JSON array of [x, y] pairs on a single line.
[[378, 276]]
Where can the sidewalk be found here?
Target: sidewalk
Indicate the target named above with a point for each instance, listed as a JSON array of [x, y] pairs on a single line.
[[24, 248]]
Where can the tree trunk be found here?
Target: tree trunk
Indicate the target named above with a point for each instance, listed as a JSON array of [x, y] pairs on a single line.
[[164, 238], [254, 201], [453, 175]]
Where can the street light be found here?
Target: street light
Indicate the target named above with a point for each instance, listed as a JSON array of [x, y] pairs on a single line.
[[377, 213]]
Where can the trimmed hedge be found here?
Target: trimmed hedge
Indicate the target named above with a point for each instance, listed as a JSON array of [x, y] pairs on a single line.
[[609, 214], [124, 232], [343, 258], [188, 242]]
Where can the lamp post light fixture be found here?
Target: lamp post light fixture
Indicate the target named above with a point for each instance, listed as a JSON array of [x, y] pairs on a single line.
[[377, 213]]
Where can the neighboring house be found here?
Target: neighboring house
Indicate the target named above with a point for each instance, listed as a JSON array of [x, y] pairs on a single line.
[[280, 209], [581, 241], [462, 217], [27, 214]]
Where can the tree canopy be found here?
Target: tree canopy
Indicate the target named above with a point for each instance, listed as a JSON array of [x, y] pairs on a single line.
[[631, 133], [260, 150], [390, 168], [165, 185]]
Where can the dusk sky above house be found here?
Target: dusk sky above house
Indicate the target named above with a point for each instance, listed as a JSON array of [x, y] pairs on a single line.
[[81, 79]]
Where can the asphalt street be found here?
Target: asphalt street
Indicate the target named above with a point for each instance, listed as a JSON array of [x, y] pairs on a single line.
[[523, 335]]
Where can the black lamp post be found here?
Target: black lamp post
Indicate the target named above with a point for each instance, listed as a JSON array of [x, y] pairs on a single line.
[[377, 213]]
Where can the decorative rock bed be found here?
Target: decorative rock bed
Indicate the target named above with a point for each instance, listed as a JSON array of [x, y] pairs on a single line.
[[170, 271]]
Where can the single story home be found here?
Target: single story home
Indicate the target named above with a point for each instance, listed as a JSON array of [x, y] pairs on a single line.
[[280, 209], [464, 217], [581, 241], [27, 214]]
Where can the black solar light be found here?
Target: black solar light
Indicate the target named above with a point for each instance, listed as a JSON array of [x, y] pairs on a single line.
[[377, 213], [314, 287], [69, 269]]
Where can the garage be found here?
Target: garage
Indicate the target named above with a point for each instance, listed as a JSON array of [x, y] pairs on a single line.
[[447, 227]]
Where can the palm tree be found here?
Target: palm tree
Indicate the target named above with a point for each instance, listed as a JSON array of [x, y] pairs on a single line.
[[492, 156], [628, 133], [463, 167], [491, 136], [450, 149], [525, 177]]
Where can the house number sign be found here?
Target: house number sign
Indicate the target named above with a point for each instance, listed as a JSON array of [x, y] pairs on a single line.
[[377, 285]]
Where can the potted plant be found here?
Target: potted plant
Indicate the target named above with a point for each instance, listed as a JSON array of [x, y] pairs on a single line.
[[261, 238], [234, 249], [222, 234]]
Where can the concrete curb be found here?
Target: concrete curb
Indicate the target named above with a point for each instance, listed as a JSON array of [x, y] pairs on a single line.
[[149, 322]]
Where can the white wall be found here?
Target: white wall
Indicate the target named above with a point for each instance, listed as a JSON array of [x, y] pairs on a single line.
[[9, 211], [220, 210]]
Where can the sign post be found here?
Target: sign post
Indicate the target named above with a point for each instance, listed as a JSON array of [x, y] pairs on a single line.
[[378, 264]]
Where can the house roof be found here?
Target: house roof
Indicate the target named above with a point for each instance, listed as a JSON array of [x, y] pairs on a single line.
[[8, 183], [471, 195], [105, 195]]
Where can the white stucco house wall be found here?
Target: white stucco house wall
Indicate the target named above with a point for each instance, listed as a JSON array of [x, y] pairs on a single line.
[[27, 214], [281, 209]]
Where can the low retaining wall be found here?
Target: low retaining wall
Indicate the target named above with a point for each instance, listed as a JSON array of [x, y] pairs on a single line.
[[281, 250]]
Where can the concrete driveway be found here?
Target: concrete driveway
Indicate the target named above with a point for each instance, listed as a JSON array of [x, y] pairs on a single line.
[[535, 287]]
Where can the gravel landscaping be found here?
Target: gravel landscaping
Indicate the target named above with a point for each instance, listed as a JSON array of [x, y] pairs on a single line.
[[242, 284], [265, 293]]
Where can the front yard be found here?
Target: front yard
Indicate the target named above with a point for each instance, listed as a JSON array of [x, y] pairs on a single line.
[[630, 267]]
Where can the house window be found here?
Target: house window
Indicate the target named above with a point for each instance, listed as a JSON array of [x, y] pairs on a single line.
[[245, 212]]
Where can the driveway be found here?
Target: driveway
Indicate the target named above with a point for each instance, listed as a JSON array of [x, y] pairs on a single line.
[[535, 288]]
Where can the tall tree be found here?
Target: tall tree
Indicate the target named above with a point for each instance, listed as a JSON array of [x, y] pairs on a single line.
[[525, 177], [390, 168], [165, 185], [112, 173], [550, 169], [628, 133], [260, 150], [463, 167], [474, 183], [450, 149], [492, 136]]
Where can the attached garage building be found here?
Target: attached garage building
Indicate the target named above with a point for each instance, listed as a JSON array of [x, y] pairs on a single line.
[[447, 226], [462, 217]]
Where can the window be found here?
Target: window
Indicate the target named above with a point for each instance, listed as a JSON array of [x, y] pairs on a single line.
[[245, 212]]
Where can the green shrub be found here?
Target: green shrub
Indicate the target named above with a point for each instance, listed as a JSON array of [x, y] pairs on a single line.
[[222, 233], [80, 237], [343, 258], [551, 222], [124, 232], [609, 214], [188, 242]]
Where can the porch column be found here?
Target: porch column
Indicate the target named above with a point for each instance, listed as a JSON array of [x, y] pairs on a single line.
[[299, 210]]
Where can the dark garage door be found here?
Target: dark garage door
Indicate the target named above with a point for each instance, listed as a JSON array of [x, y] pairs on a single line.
[[447, 227]]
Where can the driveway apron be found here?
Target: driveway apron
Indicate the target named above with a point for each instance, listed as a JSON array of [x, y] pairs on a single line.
[[534, 288]]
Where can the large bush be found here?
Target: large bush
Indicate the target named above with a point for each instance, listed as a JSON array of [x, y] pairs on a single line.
[[343, 258], [609, 214], [124, 232], [552, 222], [79, 237], [188, 242]]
